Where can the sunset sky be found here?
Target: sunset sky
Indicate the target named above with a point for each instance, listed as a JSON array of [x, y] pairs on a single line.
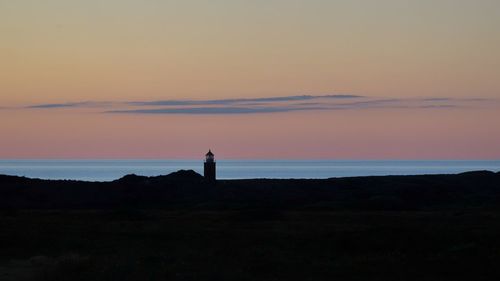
[[309, 79]]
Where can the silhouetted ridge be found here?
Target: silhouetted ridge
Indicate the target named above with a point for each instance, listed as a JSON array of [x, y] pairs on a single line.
[[479, 173], [479, 189], [132, 178], [10, 179], [182, 226], [181, 175], [184, 175]]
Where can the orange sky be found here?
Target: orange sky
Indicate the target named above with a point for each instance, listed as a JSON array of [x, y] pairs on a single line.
[[59, 52]]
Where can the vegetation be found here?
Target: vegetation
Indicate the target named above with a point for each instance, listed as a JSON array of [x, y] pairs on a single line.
[[377, 228]]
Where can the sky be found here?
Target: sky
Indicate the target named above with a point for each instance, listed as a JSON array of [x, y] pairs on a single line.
[[274, 79]]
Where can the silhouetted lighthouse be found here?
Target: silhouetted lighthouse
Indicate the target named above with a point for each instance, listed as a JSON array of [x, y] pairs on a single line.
[[209, 165]]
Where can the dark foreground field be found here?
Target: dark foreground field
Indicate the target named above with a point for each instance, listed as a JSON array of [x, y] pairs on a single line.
[[382, 228], [249, 245]]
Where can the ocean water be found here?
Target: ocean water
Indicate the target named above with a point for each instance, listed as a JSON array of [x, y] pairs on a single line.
[[107, 170]]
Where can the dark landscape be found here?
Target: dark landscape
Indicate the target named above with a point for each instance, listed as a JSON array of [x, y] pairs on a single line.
[[181, 227]]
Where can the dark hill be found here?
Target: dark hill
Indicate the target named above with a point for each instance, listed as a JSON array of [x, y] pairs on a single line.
[[179, 176], [179, 227], [479, 189]]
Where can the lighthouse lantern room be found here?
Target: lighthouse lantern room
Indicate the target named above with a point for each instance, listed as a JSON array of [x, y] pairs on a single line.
[[209, 166]]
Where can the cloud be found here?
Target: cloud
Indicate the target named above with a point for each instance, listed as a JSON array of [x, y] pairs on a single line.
[[68, 105], [240, 100], [278, 104], [439, 106], [369, 103], [275, 107], [437, 99], [216, 110]]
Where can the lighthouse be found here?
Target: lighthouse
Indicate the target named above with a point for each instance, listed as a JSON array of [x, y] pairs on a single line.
[[209, 166]]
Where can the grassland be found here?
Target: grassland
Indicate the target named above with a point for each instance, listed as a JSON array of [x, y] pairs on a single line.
[[249, 244], [179, 227]]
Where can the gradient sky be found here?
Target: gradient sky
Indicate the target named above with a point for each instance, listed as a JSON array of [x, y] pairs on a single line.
[[387, 79]]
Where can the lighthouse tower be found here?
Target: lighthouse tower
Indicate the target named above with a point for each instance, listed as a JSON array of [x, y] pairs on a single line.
[[209, 166]]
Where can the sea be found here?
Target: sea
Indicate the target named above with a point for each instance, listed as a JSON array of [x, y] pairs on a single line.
[[108, 170]]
